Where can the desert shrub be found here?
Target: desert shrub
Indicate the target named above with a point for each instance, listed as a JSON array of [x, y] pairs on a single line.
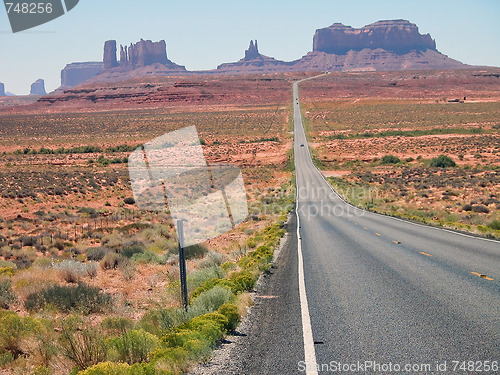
[[467, 207], [150, 257], [244, 280], [195, 251], [495, 225], [213, 259], [71, 271], [389, 159], [97, 253], [88, 211], [84, 347], [212, 326], [196, 278], [13, 330], [82, 298], [117, 324], [480, 208], [112, 240], [211, 300], [442, 161], [230, 311], [24, 258], [129, 200], [134, 346], [110, 368], [129, 251], [7, 297], [209, 284], [162, 320], [111, 261]]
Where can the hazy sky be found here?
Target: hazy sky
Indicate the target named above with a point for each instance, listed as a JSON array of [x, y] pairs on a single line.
[[203, 34]]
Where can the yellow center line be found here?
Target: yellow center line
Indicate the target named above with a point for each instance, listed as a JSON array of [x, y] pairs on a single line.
[[482, 276], [429, 255], [364, 228], [378, 234], [397, 242]]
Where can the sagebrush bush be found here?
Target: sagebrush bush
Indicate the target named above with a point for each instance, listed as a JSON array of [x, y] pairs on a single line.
[[111, 261], [117, 324], [72, 271], [84, 347], [211, 300], [134, 346], [82, 298], [97, 253], [209, 284], [7, 297], [13, 330]]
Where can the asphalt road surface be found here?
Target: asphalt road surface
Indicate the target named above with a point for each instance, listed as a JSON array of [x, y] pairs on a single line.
[[357, 292]]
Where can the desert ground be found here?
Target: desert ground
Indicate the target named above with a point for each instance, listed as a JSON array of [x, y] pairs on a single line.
[[357, 121], [87, 277], [68, 218]]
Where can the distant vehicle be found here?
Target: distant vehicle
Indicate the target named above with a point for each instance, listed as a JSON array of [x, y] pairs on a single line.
[[301, 145]]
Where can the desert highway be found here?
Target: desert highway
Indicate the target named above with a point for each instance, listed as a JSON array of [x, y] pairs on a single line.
[[385, 290], [353, 289]]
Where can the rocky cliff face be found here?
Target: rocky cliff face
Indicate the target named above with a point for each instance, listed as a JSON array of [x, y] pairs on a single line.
[[143, 53], [109, 58], [399, 36], [76, 73], [2, 89], [38, 87]]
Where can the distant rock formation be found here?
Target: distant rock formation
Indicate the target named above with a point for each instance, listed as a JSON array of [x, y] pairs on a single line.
[[399, 36], [2, 89], [252, 52], [38, 87], [143, 53], [75, 73], [109, 58], [254, 62], [383, 45]]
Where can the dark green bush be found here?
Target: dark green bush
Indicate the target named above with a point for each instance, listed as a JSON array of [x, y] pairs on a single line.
[[83, 298], [495, 224], [129, 200], [129, 251], [195, 251], [97, 253], [467, 207], [389, 159], [480, 208], [442, 161]]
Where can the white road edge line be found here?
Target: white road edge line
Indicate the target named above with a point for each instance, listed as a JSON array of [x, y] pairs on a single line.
[[309, 351]]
